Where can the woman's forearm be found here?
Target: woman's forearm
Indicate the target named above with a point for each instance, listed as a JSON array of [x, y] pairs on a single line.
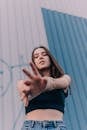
[[58, 83]]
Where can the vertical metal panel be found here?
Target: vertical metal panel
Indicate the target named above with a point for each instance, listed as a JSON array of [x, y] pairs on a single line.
[[67, 38]]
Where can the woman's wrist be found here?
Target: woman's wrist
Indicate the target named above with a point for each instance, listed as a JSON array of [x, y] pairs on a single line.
[[49, 85]]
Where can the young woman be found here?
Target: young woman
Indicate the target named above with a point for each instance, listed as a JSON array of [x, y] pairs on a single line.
[[43, 92]]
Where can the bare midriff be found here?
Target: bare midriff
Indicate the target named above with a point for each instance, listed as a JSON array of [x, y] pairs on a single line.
[[46, 114]]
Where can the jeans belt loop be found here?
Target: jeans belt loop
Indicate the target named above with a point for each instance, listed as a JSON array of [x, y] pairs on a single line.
[[32, 124], [55, 124]]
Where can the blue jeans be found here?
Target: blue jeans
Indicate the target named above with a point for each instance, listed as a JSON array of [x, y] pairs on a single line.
[[43, 125]]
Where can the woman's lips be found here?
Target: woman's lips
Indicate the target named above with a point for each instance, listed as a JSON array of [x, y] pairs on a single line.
[[41, 62]]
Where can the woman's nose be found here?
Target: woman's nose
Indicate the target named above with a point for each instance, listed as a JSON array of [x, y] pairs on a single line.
[[40, 56]]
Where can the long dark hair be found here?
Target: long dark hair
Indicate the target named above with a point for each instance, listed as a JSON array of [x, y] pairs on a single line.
[[56, 70]]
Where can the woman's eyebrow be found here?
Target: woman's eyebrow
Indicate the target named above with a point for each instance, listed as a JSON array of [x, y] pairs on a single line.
[[41, 52], [35, 54]]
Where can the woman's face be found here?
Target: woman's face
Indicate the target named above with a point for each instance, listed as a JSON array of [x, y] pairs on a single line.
[[41, 59]]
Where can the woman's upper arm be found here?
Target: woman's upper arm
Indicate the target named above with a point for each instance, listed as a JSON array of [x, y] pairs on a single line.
[[67, 79]]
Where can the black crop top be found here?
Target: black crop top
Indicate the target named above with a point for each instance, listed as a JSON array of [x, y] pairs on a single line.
[[54, 99]]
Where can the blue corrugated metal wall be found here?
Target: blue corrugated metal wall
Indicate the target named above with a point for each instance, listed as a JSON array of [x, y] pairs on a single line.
[[67, 39]]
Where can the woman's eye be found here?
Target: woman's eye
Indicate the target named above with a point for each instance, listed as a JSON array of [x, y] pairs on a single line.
[[36, 56], [44, 53]]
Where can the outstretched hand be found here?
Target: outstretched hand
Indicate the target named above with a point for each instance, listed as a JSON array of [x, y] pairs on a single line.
[[35, 82]]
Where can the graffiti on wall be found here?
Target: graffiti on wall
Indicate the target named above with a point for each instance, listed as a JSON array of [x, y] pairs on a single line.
[[6, 74]]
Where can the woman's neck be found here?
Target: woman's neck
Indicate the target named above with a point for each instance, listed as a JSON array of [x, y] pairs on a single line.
[[45, 72]]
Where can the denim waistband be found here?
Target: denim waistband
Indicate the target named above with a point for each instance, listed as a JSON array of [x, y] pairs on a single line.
[[44, 123]]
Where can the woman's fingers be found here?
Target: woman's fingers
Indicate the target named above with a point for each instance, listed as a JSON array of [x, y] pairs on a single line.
[[27, 82], [27, 73], [22, 95], [35, 70], [26, 101]]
